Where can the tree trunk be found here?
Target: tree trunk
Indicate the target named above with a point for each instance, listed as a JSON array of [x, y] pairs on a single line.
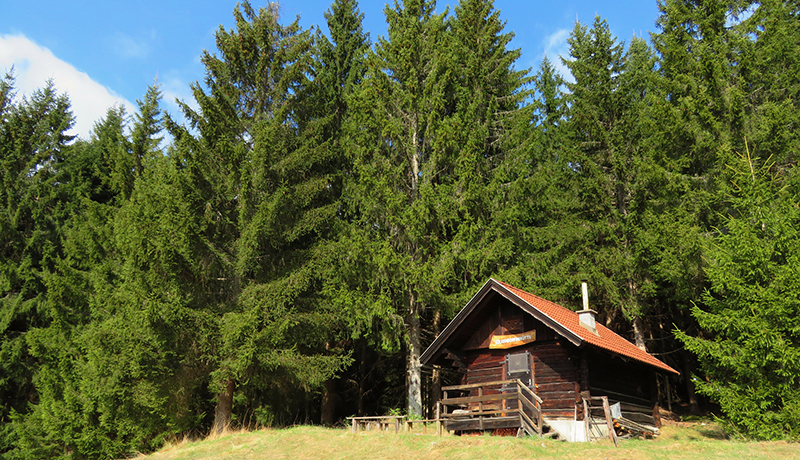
[[694, 407], [638, 333], [362, 377], [414, 366], [436, 393], [329, 403], [328, 409], [224, 409]]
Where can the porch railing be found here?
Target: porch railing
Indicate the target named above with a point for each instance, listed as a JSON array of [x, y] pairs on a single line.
[[486, 403]]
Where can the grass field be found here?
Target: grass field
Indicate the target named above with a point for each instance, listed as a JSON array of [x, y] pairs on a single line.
[[678, 441]]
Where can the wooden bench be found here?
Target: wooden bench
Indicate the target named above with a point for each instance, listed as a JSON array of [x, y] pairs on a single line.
[[382, 422], [424, 422]]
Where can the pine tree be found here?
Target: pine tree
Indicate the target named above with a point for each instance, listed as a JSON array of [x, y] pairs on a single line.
[[267, 186], [700, 57], [771, 70], [34, 206], [430, 125], [750, 350], [396, 117], [105, 375], [606, 160], [701, 49], [486, 125], [339, 69]]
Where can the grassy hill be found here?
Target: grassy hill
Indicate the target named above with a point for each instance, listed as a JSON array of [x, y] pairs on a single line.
[[678, 441]]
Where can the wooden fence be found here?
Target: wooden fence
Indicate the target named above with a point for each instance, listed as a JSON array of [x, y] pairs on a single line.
[[490, 406]]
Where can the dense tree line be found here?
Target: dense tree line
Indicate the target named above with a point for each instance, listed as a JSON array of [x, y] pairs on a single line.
[[284, 252]]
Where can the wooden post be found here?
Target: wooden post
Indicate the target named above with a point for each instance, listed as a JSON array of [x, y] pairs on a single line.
[[587, 420], [611, 433], [354, 424], [540, 418], [439, 418]]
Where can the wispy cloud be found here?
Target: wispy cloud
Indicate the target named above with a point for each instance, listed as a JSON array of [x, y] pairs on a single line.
[[556, 48], [129, 47], [34, 65], [173, 87]]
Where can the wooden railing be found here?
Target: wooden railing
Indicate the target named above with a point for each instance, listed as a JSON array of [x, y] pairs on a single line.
[[494, 400]]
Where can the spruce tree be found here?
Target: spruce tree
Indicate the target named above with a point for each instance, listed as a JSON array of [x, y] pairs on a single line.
[[771, 71], [750, 349], [267, 188], [430, 127], [34, 207], [103, 383], [396, 117], [339, 67]]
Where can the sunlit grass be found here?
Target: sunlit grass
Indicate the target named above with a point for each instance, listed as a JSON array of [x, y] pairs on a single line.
[[681, 441]]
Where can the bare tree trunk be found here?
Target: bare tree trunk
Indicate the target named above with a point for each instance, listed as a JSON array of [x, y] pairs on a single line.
[[415, 160], [414, 365], [638, 332], [436, 393], [224, 409]]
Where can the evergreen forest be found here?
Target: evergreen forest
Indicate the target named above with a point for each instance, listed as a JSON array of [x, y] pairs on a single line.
[[284, 250]]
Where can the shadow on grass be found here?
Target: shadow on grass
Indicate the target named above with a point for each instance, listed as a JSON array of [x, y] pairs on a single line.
[[714, 431]]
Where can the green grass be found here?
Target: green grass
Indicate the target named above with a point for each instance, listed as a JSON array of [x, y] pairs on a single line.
[[678, 441]]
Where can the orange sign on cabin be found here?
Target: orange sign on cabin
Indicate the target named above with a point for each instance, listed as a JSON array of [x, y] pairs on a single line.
[[512, 340]]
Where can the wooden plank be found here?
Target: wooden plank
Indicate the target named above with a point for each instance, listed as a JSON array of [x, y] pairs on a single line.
[[617, 396], [549, 395], [492, 372], [555, 386], [487, 379], [467, 387], [478, 399], [484, 359], [558, 414], [486, 423], [639, 417], [559, 404], [628, 407], [485, 370], [530, 394], [476, 414], [611, 432]]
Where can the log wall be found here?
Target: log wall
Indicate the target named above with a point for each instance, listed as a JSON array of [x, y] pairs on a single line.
[[556, 377], [631, 385]]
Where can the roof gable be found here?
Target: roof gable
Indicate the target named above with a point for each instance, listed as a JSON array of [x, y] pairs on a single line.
[[563, 321]]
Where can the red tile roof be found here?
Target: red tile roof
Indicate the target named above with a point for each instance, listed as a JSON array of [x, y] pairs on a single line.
[[605, 338]]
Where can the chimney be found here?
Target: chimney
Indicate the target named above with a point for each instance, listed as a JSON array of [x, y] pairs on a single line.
[[586, 316]]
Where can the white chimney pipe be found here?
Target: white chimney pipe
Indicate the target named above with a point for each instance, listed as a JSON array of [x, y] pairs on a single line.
[[585, 292], [586, 316]]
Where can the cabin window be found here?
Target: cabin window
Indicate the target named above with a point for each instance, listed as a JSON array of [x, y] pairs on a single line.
[[518, 366]]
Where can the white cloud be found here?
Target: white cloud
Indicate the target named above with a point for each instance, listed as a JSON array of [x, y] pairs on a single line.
[[34, 65], [556, 48]]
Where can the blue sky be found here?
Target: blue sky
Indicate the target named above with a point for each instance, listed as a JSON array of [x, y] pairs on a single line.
[[107, 52]]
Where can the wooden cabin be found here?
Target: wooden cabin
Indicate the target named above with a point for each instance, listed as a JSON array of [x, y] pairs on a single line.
[[506, 341]]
